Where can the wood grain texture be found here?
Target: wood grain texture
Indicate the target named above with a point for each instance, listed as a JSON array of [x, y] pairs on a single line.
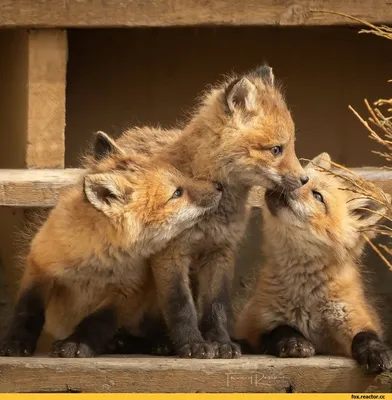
[[40, 188], [47, 63], [34, 188], [120, 13], [136, 374]]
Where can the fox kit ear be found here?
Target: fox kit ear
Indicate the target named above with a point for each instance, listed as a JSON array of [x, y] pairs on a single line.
[[104, 145], [367, 211], [105, 190], [265, 73], [241, 95], [323, 161]]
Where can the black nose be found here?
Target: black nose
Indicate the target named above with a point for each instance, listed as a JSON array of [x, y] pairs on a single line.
[[219, 186], [304, 179]]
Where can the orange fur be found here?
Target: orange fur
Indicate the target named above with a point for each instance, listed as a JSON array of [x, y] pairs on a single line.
[[231, 139], [92, 250], [312, 279]]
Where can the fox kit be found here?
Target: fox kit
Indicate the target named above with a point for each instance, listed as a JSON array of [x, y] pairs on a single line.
[[86, 270], [310, 298], [241, 135]]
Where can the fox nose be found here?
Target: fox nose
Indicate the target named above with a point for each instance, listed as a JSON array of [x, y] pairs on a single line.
[[218, 186], [304, 179]]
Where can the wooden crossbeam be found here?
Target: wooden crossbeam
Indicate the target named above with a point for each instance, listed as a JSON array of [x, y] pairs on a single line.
[[130, 13], [41, 187], [34, 188]]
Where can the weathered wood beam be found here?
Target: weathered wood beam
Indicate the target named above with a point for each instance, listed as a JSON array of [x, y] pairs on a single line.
[[41, 187], [154, 374], [34, 188], [46, 82], [129, 13]]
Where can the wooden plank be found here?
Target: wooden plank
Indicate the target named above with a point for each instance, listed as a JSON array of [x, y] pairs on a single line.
[[373, 174], [127, 13], [34, 188], [47, 63], [382, 178], [154, 374], [40, 188]]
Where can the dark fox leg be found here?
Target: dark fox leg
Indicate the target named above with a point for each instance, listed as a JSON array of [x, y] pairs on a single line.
[[26, 325], [214, 292], [171, 273], [90, 336]]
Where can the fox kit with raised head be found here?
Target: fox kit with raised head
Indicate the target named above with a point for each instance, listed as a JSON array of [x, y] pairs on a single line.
[[310, 297], [86, 272], [241, 135]]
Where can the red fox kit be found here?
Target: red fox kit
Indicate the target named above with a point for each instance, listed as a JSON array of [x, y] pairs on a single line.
[[86, 272], [310, 298], [241, 135]]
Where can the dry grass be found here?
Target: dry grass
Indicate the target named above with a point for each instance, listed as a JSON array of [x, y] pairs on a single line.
[[379, 126]]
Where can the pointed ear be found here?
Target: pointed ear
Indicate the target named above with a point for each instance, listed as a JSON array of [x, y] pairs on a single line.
[[323, 161], [367, 211], [266, 74], [104, 145], [241, 95], [103, 191]]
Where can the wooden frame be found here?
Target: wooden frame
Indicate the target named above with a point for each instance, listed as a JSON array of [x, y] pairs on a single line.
[[131, 13], [36, 142]]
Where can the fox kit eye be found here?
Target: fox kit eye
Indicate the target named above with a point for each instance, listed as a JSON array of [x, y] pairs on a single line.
[[277, 150], [178, 193], [318, 196]]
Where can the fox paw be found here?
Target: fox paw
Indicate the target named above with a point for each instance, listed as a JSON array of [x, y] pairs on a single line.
[[196, 350], [379, 359], [115, 346], [226, 350], [162, 349], [371, 353], [17, 347], [71, 349], [123, 343], [296, 347]]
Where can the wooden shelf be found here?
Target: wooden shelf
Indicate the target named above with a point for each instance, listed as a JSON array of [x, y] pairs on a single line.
[[132, 13], [155, 374], [41, 187]]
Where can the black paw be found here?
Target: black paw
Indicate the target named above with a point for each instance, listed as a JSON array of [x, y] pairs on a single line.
[[124, 342], [115, 346], [162, 349], [371, 353], [226, 350], [196, 350], [71, 349], [295, 347], [17, 347]]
